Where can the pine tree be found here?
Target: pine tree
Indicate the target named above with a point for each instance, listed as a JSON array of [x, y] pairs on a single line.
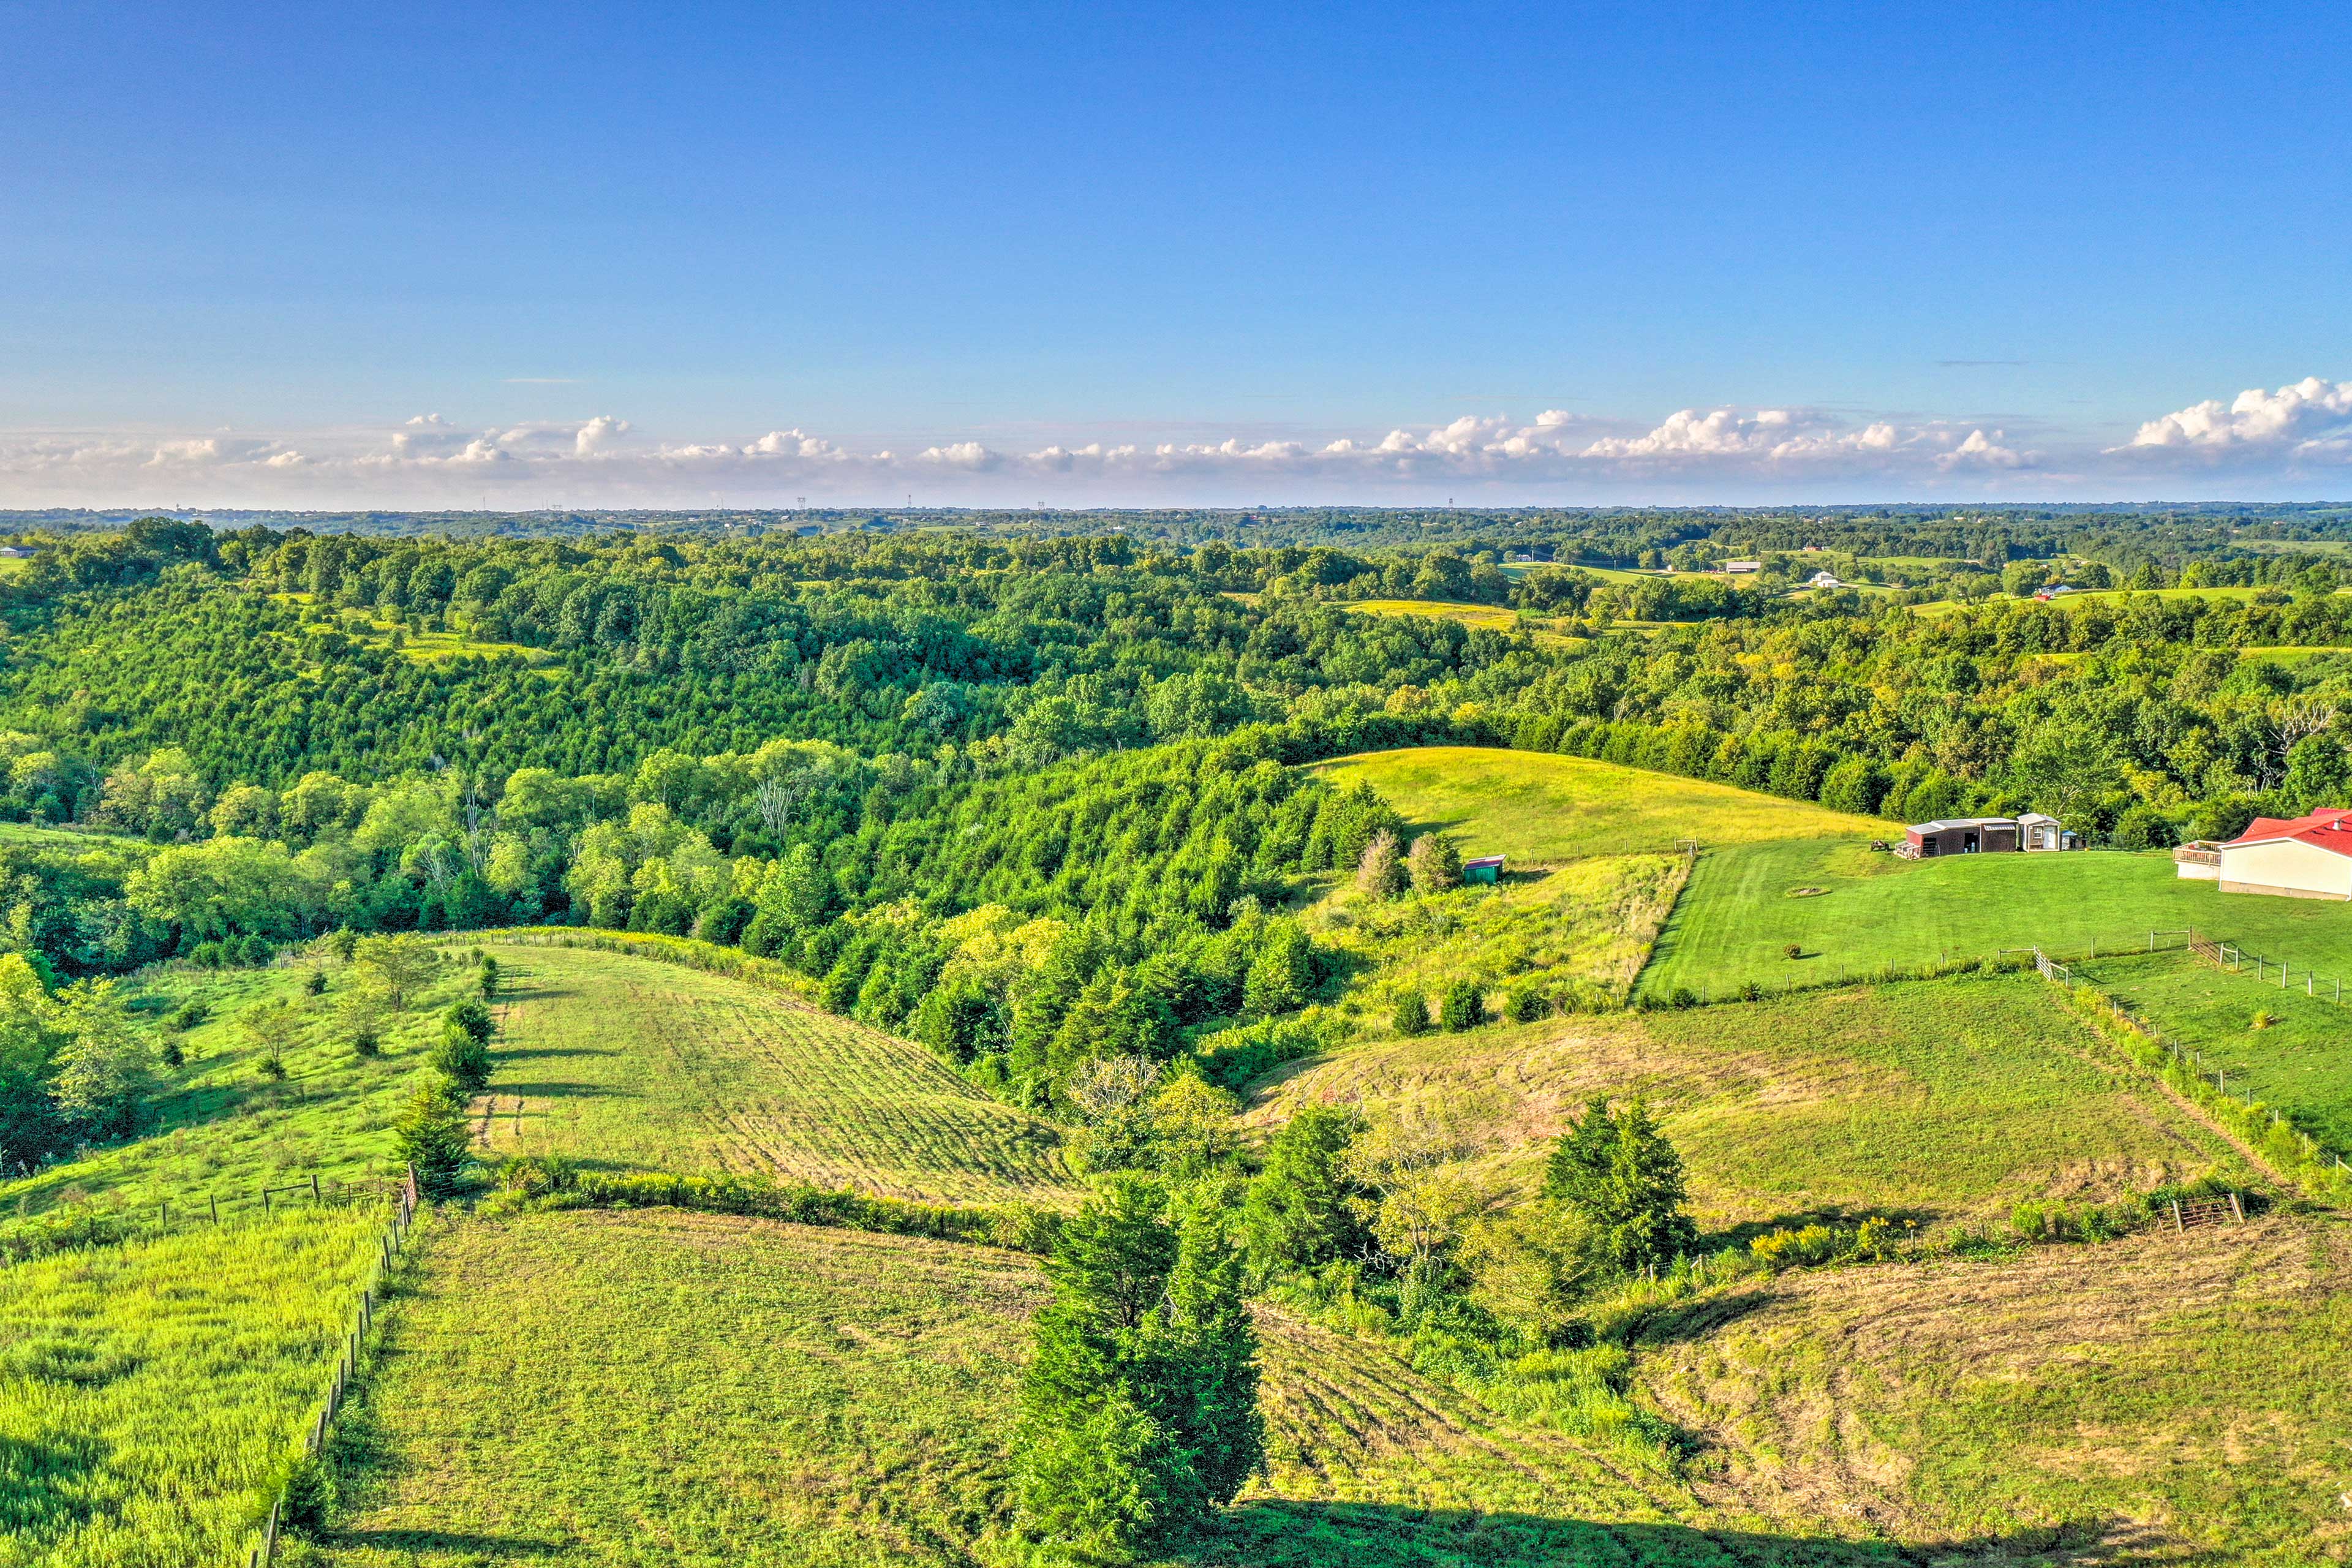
[[1300, 1214], [1381, 872], [1140, 1407], [1620, 1171], [431, 1136], [1412, 1013], [1464, 1006]]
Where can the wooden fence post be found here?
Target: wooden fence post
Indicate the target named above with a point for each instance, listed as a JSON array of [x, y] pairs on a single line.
[[314, 1186]]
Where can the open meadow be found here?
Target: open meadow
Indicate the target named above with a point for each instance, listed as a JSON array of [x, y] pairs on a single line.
[[2172, 1399], [1580, 934], [222, 1127], [1543, 809], [148, 1390], [620, 1059], [1850, 911], [657, 1387], [1940, 1102]]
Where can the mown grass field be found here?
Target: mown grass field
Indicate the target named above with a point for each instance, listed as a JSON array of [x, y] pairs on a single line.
[[689, 1390], [625, 1060], [2163, 1399], [1745, 904], [1479, 618], [2299, 1061], [1543, 809], [1583, 931], [1943, 1101], [147, 1389]]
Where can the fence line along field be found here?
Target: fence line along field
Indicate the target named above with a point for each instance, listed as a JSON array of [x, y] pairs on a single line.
[[148, 1390], [1946, 1101], [1849, 911], [626, 1060], [1541, 808]]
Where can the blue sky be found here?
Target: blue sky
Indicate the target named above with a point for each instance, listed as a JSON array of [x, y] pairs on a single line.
[[311, 256]]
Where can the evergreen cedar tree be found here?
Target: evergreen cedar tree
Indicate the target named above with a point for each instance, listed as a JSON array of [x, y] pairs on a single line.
[[1301, 1209], [1618, 1170], [1138, 1410]]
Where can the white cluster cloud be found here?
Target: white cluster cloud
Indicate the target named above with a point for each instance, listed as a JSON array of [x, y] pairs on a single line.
[[2309, 417], [1714, 453]]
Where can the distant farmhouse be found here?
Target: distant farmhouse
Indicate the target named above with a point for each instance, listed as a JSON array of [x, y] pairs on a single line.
[[1824, 580], [16, 553], [1985, 835], [2288, 858]]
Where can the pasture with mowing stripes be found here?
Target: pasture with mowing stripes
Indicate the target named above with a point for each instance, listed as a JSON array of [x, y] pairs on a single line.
[[624, 1060], [698, 1390], [147, 1389]]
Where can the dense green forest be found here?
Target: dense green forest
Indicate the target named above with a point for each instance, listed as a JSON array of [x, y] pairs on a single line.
[[1032, 799]]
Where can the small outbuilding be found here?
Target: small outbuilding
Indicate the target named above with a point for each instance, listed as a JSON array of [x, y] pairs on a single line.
[[1486, 869], [2290, 858], [1985, 835]]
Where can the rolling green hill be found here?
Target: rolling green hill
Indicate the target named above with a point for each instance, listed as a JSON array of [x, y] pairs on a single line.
[[1542, 808]]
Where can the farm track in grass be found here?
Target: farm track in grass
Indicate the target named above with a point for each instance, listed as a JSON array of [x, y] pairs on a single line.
[[626, 1060], [2181, 1389], [147, 1389], [1542, 809], [701, 1390], [1745, 904], [1948, 1100]]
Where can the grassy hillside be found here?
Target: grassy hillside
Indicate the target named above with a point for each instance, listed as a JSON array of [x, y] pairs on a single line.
[[1543, 809], [628, 1060], [694, 1390], [222, 1129], [1579, 934], [146, 1390], [1944, 1100], [2172, 1399], [1747, 903]]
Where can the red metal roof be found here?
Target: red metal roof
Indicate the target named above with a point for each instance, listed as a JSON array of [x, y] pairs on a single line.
[[2327, 829]]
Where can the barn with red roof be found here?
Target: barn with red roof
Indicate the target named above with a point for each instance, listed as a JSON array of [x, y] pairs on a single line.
[[2295, 858]]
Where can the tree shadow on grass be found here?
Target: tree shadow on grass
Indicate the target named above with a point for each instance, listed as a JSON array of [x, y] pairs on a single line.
[[544, 1053], [43, 1486], [1835, 1215], [470, 1548], [1279, 1534]]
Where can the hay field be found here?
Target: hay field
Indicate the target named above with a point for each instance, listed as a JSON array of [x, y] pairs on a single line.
[[2160, 1399], [625, 1060], [1544, 809], [697, 1390], [1947, 1101]]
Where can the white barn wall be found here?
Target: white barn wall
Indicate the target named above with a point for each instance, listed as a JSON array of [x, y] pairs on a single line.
[[2298, 870]]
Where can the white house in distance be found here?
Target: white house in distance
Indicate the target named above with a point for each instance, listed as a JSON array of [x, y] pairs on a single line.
[[2290, 858]]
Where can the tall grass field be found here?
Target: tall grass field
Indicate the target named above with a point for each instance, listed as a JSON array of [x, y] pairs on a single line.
[[1543, 809], [149, 1389], [1944, 1101]]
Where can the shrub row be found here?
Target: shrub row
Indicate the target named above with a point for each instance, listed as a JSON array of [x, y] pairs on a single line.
[[1017, 1227]]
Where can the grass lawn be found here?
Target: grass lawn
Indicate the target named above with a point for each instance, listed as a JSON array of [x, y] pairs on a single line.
[[2164, 1399], [1745, 905], [1949, 1099], [1479, 618], [2300, 1062], [147, 1389], [628, 1060], [691, 1389], [1538, 807], [77, 840]]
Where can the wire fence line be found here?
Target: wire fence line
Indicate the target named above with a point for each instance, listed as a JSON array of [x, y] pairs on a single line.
[[349, 1354], [2229, 955]]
